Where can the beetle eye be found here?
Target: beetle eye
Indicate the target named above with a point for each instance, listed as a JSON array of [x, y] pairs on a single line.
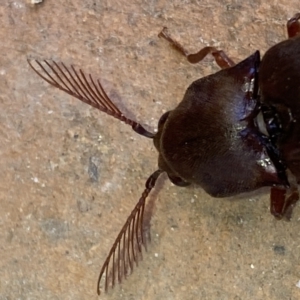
[[261, 124], [163, 119]]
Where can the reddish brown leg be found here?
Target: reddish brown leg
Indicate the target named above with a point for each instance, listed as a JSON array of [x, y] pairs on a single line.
[[282, 203], [293, 26], [220, 57]]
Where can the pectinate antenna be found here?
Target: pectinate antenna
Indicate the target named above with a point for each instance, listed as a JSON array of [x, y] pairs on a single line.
[[85, 88], [127, 248]]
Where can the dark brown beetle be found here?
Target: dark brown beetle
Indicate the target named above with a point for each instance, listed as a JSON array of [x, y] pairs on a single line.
[[279, 83], [234, 131]]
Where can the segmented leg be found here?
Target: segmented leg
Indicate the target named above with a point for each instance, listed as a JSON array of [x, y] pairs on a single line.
[[221, 58], [293, 26], [282, 203]]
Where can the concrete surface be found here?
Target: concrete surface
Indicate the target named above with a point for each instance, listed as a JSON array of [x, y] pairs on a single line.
[[58, 219]]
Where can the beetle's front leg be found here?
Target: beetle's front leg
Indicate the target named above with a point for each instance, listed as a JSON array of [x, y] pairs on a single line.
[[282, 203], [220, 57], [293, 26]]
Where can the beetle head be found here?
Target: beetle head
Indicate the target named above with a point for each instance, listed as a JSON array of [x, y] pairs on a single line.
[[211, 137]]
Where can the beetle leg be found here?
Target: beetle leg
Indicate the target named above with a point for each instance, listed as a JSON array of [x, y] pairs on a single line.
[[293, 26], [282, 205], [290, 203], [221, 58]]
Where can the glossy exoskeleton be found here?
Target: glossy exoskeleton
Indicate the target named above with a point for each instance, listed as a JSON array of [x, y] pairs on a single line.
[[234, 131]]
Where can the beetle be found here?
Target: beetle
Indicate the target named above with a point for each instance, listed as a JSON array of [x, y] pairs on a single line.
[[234, 131]]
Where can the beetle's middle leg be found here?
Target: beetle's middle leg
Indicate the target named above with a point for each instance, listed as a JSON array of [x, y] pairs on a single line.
[[293, 26], [282, 203], [220, 57]]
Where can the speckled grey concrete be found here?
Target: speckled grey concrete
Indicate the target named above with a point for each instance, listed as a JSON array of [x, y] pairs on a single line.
[[71, 175]]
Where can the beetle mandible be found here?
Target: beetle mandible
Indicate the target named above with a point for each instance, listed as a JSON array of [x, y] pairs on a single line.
[[234, 131]]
